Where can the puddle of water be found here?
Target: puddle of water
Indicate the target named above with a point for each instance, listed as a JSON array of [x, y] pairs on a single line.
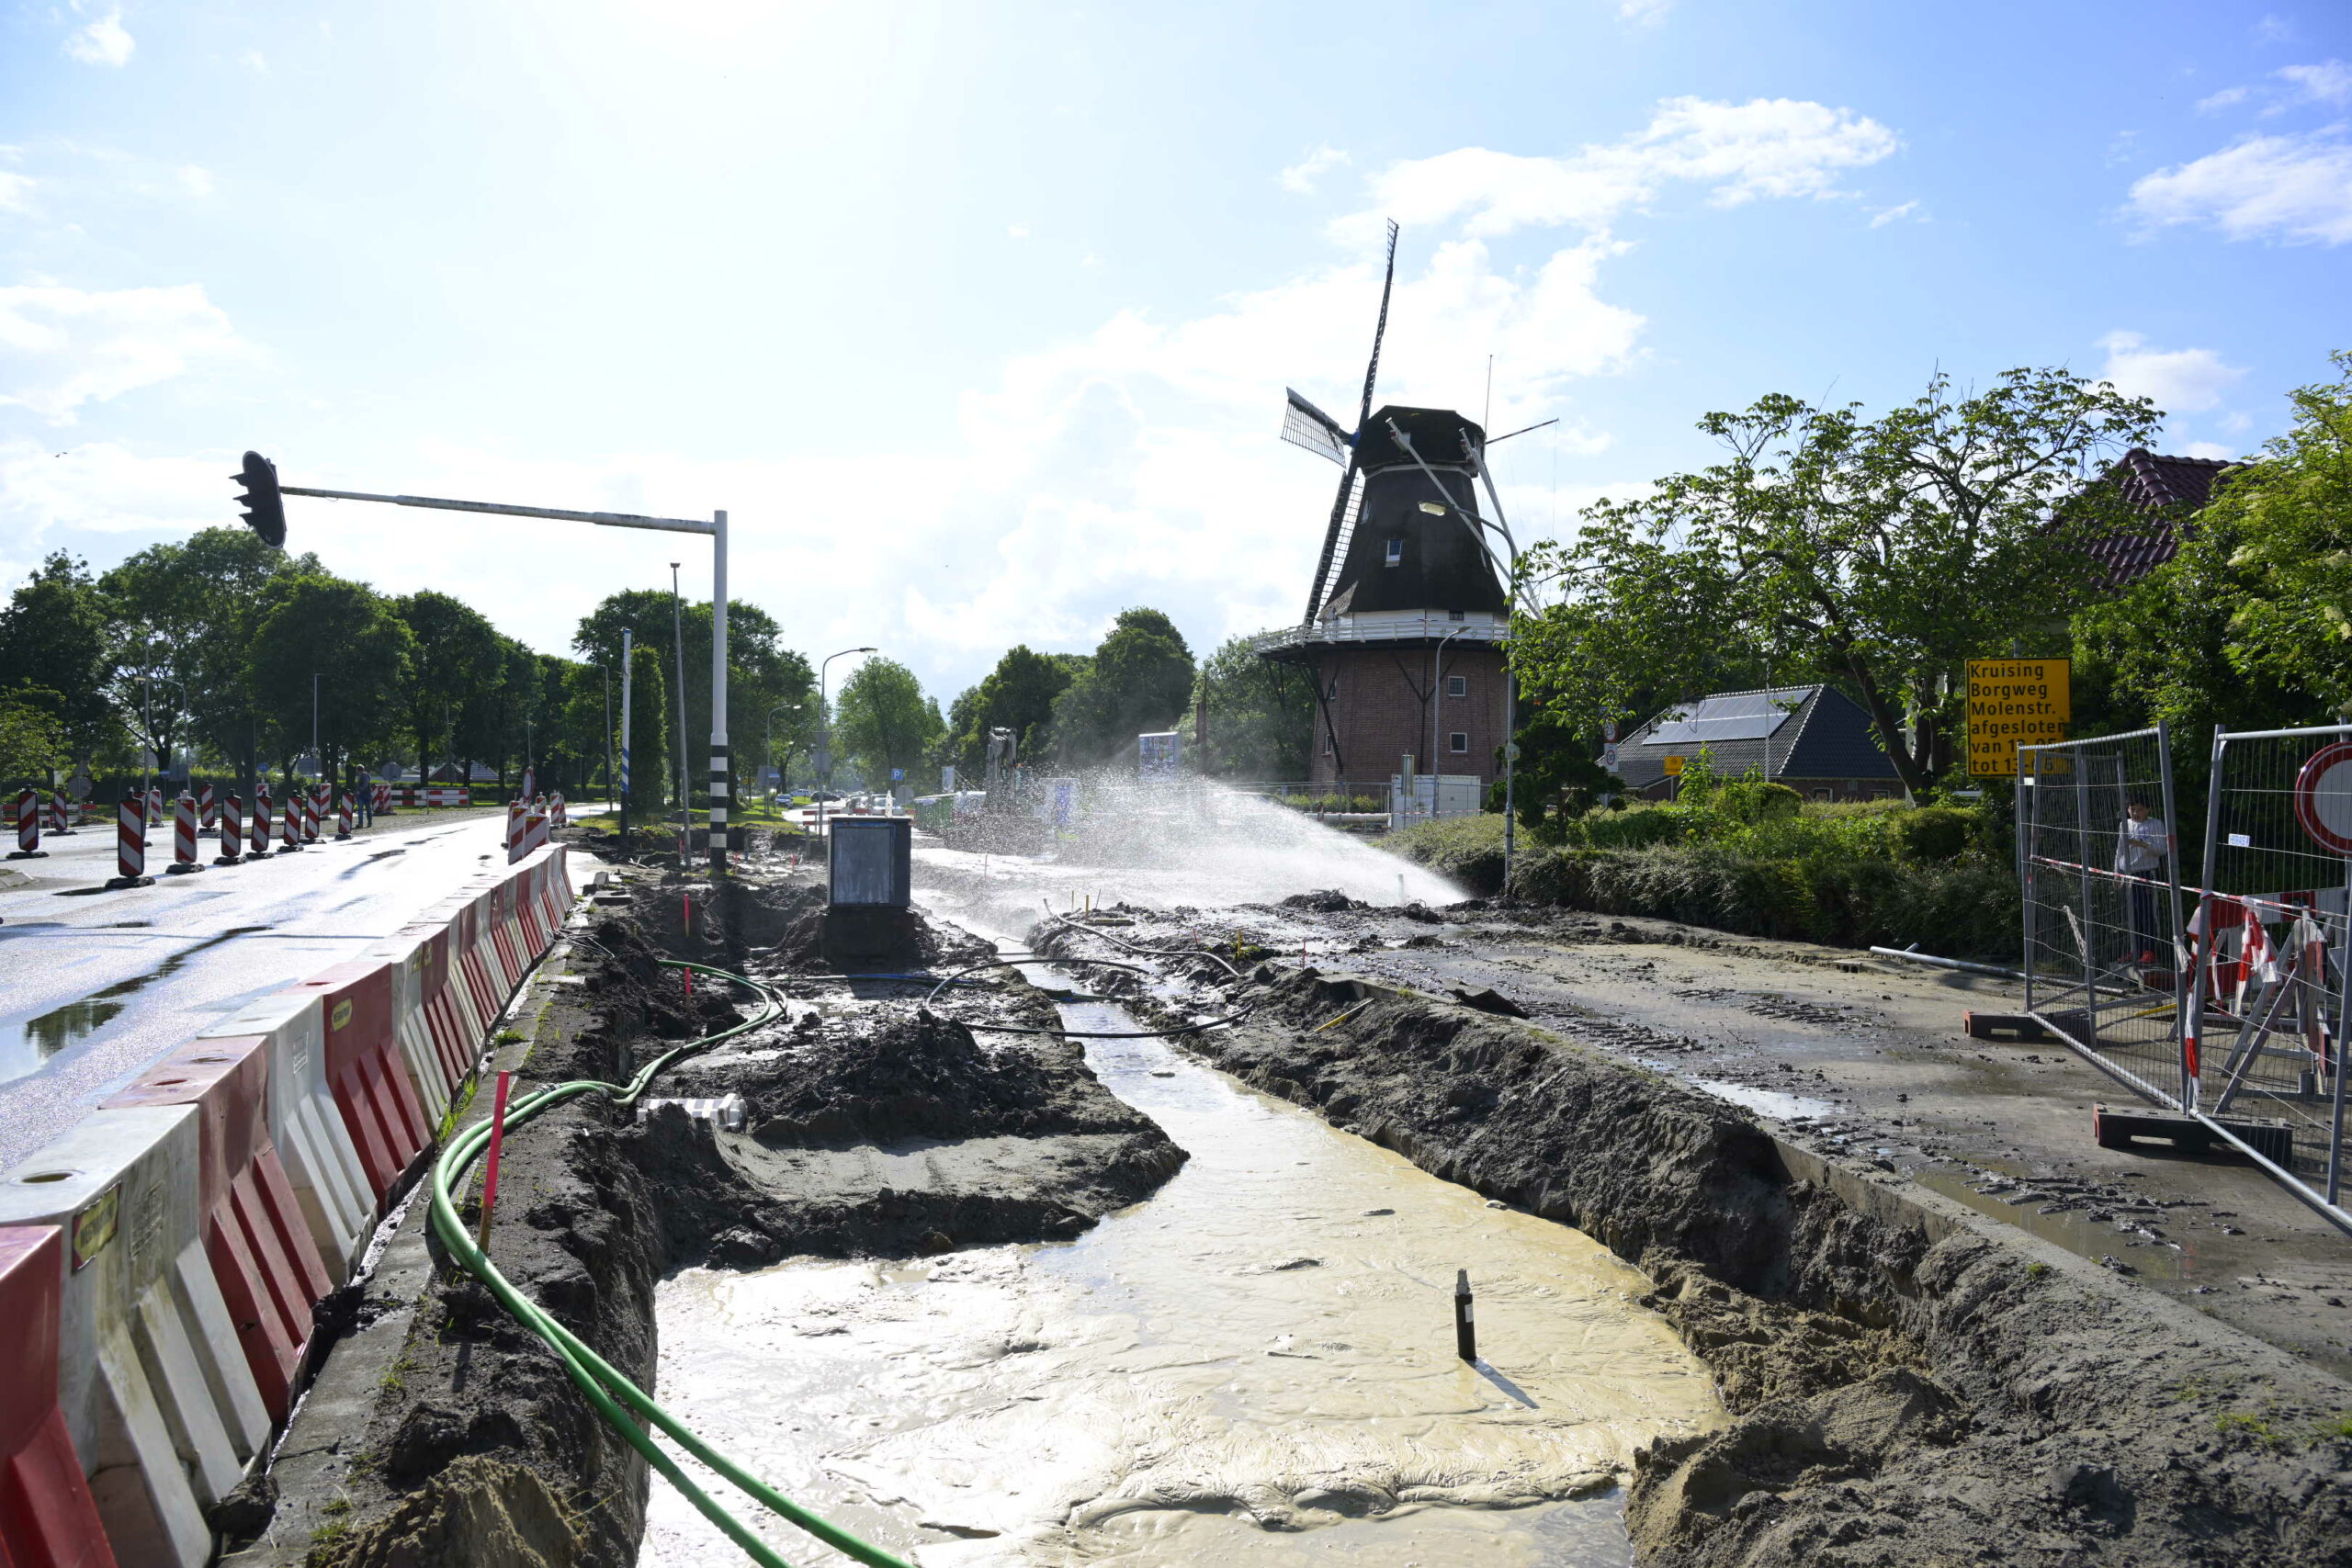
[[44, 1036], [1766, 1101], [1255, 1366], [2071, 1229]]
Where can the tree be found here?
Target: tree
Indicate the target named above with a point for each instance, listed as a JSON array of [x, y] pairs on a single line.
[[1018, 694], [2290, 515], [32, 738], [1881, 553], [1139, 681], [53, 637], [1260, 714], [187, 612], [348, 636], [760, 671], [645, 742], [885, 722], [457, 655]]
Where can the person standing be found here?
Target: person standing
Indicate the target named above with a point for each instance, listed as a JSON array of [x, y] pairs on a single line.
[[2144, 849]]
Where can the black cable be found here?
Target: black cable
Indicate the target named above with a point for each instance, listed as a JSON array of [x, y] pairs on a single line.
[[1015, 963], [1137, 947]]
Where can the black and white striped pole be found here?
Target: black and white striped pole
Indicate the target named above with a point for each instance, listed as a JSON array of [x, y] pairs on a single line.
[[266, 514], [1465, 1327]]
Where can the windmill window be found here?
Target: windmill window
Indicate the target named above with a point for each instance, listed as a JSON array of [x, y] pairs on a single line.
[[1331, 693], [1457, 685], [1396, 555], [1327, 743], [1457, 615], [1458, 741]]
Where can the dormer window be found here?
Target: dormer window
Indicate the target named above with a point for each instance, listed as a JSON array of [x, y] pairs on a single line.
[[1457, 615], [1395, 554]]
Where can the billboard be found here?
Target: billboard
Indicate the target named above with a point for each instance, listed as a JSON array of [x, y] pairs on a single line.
[[1159, 755]]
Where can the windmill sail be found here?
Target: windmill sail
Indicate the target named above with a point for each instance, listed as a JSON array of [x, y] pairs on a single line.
[[1305, 425], [1342, 509]]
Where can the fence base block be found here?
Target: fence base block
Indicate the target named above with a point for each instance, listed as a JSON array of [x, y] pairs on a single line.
[[2115, 1129], [2022, 1027]]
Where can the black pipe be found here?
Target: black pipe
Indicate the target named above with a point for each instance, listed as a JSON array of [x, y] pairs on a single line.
[[1465, 1329]]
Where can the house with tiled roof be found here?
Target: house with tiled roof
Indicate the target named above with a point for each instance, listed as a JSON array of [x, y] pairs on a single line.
[[1815, 740], [2164, 492]]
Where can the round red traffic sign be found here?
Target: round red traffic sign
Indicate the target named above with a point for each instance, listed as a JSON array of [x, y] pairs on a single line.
[[2324, 797]]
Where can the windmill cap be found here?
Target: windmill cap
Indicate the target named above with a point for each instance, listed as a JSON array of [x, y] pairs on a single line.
[[1436, 435]]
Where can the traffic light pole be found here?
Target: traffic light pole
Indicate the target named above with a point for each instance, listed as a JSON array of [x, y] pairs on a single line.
[[715, 528]]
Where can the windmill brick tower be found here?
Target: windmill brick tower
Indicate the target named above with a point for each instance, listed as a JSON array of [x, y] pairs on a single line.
[[1404, 625]]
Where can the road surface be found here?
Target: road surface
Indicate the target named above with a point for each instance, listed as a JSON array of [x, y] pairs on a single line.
[[95, 986]]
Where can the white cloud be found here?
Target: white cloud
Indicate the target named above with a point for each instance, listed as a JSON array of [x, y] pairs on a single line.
[[1643, 13], [102, 42], [1016, 230], [2237, 422], [1301, 177], [1767, 147], [195, 181], [2274, 30], [2222, 99], [63, 347], [2296, 188], [1896, 215], [2206, 449], [16, 192], [2181, 380], [252, 60], [2328, 82]]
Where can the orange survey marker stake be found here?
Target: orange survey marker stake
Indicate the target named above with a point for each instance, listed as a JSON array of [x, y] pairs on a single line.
[[490, 1170]]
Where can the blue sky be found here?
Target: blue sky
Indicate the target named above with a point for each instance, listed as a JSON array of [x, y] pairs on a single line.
[[978, 317]]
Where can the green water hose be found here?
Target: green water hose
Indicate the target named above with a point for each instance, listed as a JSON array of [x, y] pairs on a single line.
[[606, 1387]]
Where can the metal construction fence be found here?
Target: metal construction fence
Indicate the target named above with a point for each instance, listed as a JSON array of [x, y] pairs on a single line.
[[2268, 995], [2099, 865], [2232, 1017]]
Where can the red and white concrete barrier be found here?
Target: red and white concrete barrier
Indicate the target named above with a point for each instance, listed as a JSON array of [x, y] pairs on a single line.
[[305, 1125], [47, 1516], [366, 1071], [269, 1270], [154, 1387]]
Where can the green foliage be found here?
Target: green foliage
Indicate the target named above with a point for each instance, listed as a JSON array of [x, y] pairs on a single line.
[[1881, 553], [1018, 694], [1834, 874], [348, 636], [54, 636], [884, 721], [1139, 681], [1558, 777], [649, 735], [32, 738], [1260, 714], [760, 671], [457, 654]]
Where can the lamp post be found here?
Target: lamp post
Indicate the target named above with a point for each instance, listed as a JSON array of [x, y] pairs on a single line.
[[1436, 699], [685, 793], [825, 733], [262, 475]]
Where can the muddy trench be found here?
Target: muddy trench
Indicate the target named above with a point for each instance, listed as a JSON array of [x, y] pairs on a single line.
[[1013, 1298]]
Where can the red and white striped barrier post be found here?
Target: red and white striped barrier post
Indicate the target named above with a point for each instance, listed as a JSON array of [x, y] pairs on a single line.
[[289, 823], [513, 830], [184, 832], [233, 831], [343, 816], [261, 823], [208, 811], [58, 822], [28, 827], [310, 816], [555, 810], [130, 845]]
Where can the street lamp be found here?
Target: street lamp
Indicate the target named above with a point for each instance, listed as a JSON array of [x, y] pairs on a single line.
[[266, 517], [825, 733]]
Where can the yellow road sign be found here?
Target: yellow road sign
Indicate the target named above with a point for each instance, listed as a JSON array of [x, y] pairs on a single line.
[[1674, 764], [2014, 703]]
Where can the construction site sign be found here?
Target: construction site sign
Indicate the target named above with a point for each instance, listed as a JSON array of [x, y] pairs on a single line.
[[2014, 703]]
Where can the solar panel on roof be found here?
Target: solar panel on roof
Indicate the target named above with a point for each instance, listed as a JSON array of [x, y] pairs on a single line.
[[1739, 716]]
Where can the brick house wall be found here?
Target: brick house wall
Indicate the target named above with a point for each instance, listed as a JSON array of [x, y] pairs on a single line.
[[1374, 695]]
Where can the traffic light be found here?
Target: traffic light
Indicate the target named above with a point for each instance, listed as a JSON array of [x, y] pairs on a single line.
[[264, 510]]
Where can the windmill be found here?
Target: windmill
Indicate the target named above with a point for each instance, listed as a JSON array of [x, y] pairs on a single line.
[[1305, 425]]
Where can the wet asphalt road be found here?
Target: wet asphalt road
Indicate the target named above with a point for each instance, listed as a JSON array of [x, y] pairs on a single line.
[[95, 985]]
